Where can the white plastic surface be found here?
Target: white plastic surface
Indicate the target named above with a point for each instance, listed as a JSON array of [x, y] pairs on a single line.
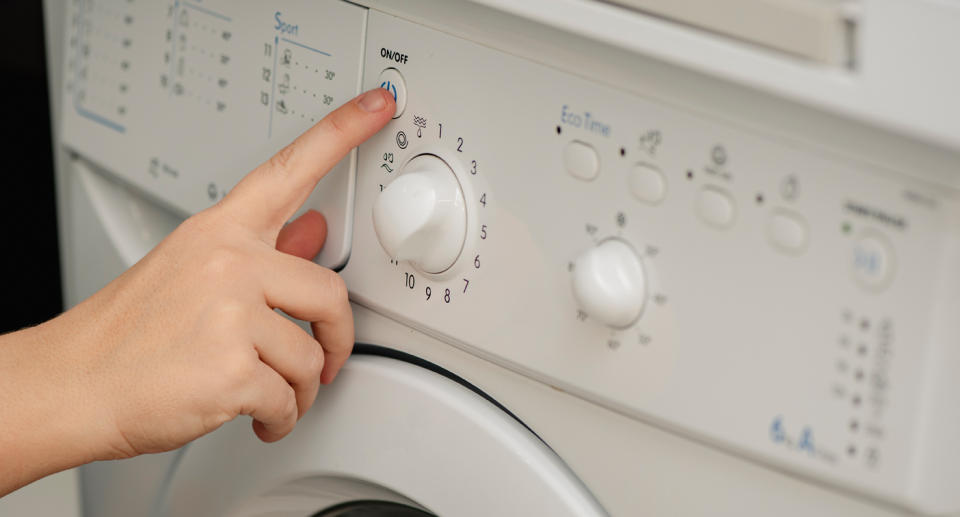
[[646, 183], [633, 468], [609, 283], [135, 225], [57, 495], [899, 83], [716, 207], [813, 29], [581, 160], [739, 344], [788, 231], [421, 216], [398, 426]]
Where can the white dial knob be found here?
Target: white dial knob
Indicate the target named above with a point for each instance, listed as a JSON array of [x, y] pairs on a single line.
[[421, 216], [609, 283]]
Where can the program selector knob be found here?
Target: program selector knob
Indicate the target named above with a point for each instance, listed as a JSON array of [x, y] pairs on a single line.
[[421, 216], [609, 283]]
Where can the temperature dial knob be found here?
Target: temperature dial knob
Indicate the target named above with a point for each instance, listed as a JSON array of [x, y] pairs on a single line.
[[609, 283], [421, 216]]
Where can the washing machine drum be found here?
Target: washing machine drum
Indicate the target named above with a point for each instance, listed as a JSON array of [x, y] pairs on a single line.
[[388, 438]]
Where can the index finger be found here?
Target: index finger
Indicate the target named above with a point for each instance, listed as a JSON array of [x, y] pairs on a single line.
[[267, 197]]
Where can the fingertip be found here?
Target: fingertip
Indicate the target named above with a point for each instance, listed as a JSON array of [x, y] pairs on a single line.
[[266, 435], [332, 368], [376, 100]]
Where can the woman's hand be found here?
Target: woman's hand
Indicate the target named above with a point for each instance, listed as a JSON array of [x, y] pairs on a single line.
[[188, 338]]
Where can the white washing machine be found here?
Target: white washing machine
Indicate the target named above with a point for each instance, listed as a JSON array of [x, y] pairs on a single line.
[[705, 263]]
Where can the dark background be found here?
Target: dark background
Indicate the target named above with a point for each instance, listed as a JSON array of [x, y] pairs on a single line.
[[29, 258]]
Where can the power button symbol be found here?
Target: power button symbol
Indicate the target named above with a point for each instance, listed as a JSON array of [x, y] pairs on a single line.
[[390, 87], [391, 80]]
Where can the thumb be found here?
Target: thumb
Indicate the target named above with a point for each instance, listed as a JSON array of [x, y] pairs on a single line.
[[267, 197], [304, 236]]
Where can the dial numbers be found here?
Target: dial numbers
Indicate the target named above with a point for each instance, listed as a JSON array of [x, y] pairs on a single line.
[[437, 253]]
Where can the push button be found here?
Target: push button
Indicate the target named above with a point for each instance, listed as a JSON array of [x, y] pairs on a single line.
[[715, 207], [391, 80], [581, 160], [647, 183], [873, 262], [787, 232]]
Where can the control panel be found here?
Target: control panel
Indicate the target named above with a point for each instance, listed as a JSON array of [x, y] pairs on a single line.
[[759, 294], [745, 290], [182, 98]]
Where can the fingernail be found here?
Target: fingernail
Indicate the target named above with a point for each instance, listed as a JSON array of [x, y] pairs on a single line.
[[372, 101]]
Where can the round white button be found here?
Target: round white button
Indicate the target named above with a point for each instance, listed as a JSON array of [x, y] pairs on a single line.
[[421, 216], [647, 183], [787, 231], [873, 262], [609, 283], [392, 81], [715, 207]]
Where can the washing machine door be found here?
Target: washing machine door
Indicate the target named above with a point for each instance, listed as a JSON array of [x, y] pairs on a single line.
[[388, 438]]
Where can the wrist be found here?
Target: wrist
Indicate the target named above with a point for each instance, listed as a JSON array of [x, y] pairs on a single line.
[[53, 418]]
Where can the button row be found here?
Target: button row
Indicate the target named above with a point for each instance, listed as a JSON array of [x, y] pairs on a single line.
[[645, 181], [872, 263]]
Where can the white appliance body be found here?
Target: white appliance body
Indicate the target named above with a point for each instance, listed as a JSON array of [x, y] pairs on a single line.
[[789, 213]]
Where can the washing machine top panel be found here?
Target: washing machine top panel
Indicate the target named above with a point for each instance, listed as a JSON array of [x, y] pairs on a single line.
[[387, 430]]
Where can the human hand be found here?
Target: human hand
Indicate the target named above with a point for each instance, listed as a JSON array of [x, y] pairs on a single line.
[[188, 338]]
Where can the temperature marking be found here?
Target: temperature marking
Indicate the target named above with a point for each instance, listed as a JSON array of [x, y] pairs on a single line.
[[79, 77], [173, 43]]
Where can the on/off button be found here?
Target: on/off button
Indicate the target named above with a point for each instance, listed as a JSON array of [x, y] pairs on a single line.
[[392, 81]]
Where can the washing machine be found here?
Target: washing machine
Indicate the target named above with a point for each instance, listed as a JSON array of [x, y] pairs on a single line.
[[700, 258]]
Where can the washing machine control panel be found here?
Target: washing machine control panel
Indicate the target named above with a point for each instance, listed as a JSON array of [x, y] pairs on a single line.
[[756, 293], [767, 296], [181, 98]]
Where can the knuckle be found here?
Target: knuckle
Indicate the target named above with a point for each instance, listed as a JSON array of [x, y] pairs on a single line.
[[336, 126], [337, 288], [216, 264], [290, 411], [238, 369], [229, 315], [316, 361], [191, 224], [282, 160], [221, 261]]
